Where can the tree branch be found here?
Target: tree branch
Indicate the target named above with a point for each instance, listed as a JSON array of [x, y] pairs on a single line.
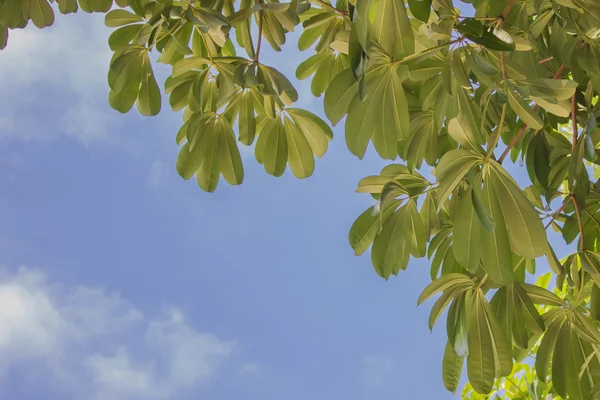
[[556, 213], [524, 127], [506, 10]]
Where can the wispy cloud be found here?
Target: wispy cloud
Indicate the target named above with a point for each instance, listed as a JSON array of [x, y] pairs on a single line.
[[97, 345], [58, 73], [158, 172]]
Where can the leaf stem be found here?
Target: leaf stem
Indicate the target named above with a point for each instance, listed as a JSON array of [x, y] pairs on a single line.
[[259, 40], [506, 10], [579, 222], [482, 281]]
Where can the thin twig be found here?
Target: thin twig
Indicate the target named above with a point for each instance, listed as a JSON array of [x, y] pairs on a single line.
[[546, 60], [506, 10], [512, 143], [574, 201], [556, 213]]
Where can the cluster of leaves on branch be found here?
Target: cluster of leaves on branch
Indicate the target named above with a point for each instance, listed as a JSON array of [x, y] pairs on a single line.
[[423, 83]]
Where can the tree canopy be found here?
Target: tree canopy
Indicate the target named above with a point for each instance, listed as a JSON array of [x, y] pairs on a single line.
[[435, 91]]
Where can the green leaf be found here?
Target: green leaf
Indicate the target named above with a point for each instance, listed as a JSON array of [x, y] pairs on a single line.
[[273, 143], [451, 368], [452, 167], [10, 13], [524, 111], [544, 354], [67, 6], [442, 302], [540, 295], [391, 28], [3, 37], [460, 130], [393, 122], [118, 17], [560, 360], [482, 212], [363, 115], [316, 131], [41, 13], [149, 99], [561, 108], [447, 71], [246, 119], [208, 174], [493, 39], [419, 239], [443, 283], [525, 229], [560, 89], [365, 228], [311, 65], [123, 36], [339, 95], [470, 116], [480, 362], [496, 255], [533, 318], [300, 155], [193, 153], [230, 161], [467, 234], [391, 247]]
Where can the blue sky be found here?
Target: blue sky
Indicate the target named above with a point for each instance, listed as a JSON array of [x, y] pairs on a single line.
[[122, 281]]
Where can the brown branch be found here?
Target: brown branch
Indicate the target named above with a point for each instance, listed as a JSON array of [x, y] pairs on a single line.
[[524, 127], [574, 121], [546, 60], [506, 10], [579, 222], [559, 71]]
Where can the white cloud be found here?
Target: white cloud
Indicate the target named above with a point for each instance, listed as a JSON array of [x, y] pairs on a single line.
[[251, 369], [58, 73], [99, 346]]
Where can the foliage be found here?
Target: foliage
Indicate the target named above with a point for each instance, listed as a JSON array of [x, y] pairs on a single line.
[[519, 80]]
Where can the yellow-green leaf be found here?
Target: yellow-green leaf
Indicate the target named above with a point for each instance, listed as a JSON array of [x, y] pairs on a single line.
[[467, 234], [300, 156]]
